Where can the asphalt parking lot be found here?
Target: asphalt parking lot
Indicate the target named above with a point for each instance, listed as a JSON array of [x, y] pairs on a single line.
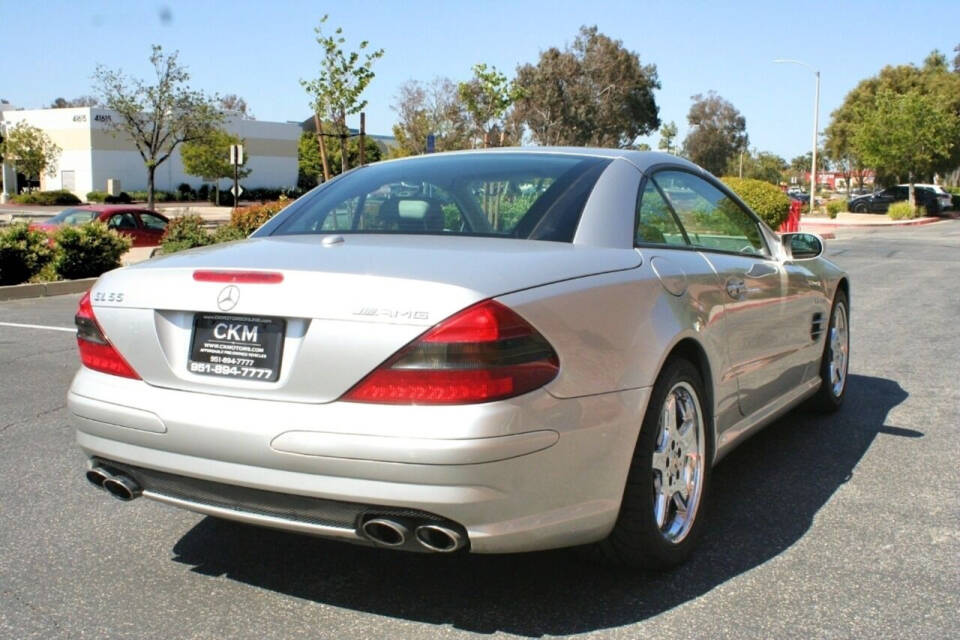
[[841, 526]]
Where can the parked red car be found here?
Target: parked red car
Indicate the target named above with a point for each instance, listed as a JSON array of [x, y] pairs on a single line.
[[142, 225]]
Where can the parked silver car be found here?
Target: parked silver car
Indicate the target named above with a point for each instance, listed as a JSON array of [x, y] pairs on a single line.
[[498, 351]]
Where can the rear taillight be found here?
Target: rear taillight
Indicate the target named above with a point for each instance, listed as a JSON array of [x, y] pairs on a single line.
[[96, 352], [486, 352]]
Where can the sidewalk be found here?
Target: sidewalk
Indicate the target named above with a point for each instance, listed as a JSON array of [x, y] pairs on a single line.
[[825, 226]]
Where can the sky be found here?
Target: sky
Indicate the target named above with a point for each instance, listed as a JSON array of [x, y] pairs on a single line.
[[261, 50]]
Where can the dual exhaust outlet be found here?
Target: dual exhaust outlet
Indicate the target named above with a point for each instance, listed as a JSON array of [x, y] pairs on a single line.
[[120, 486], [384, 531], [390, 532]]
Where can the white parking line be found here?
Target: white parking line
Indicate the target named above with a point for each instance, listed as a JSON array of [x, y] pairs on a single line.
[[37, 326]]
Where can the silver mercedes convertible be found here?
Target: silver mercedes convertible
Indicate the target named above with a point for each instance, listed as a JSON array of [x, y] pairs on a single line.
[[494, 351]]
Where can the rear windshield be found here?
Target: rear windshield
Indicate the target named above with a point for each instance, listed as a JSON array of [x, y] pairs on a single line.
[[73, 216], [533, 196]]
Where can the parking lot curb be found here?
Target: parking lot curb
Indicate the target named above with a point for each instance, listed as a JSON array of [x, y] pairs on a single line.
[[45, 289]]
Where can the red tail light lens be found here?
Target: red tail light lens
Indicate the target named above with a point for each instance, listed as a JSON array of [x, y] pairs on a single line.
[[96, 352], [486, 352]]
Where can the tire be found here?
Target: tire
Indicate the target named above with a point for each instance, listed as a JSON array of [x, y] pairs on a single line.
[[859, 208], [835, 359], [637, 539]]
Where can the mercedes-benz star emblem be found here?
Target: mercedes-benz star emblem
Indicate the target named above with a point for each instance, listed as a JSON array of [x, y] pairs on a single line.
[[228, 298]]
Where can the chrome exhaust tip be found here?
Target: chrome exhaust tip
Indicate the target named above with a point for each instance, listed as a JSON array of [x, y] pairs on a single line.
[[122, 488], [388, 533], [440, 539], [97, 476]]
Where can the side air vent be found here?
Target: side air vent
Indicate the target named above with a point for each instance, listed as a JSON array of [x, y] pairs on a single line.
[[816, 328]]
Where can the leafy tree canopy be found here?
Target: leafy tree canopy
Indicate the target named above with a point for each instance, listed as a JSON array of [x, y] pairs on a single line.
[[717, 132], [487, 97], [668, 133], [82, 101], [157, 117], [592, 93], [932, 79], [423, 109], [907, 134], [209, 157], [30, 150]]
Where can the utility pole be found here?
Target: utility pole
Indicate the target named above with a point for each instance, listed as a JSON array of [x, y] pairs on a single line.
[[816, 126]]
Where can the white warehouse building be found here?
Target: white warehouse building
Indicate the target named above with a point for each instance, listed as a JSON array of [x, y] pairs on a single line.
[[92, 152]]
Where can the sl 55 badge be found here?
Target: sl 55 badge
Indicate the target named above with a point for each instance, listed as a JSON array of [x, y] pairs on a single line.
[[108, 296]]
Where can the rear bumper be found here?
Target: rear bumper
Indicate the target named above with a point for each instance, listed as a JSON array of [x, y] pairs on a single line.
[[534, 472]]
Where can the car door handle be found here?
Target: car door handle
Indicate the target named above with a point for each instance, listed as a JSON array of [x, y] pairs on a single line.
[[735, 288]]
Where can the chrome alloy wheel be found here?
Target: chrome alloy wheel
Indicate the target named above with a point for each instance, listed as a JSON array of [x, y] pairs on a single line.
[[839, 350], [678, 463]]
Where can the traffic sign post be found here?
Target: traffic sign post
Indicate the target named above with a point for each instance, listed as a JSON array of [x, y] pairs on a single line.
[[236, 159]]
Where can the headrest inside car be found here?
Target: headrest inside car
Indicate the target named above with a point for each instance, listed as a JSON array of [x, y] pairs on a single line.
[[413, 209]]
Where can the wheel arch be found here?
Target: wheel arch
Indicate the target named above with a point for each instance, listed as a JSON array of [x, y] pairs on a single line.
[[693, 352]]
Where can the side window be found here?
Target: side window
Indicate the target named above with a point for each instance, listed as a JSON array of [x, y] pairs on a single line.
[[152, 222], [710, 218], [655, 221], [122, 221]]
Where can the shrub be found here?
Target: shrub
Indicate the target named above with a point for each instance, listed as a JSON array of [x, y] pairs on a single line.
[[836, 206], [23, 253], [249, 219], [158, 196], [203, 193], [186, 192], [228, 233], [88, 250], [47, 274], [97, 196], [901, 211], [185, 232], [46, 198], [766, 200]]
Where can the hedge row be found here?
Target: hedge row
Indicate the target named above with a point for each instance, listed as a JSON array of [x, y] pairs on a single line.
[[83, 251], [188, 232], [46, 198], [766, 200]]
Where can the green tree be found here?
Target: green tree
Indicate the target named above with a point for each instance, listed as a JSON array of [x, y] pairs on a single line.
[[82, 101], [30, 150], [335, 93], [424, 109], [486, 98], [157, 117], [908, 134], [668, 133], [932, 79], [593, 93], [758, 165], [717, 132], [209, 158]]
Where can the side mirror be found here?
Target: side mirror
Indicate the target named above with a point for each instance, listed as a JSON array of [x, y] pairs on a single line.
[[802, 246]]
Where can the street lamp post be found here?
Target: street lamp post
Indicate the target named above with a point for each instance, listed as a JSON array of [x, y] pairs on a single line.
[[816, 125]]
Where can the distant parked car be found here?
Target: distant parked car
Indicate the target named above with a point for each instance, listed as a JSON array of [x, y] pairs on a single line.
[[879, 201], [143, 226], [799, 197]]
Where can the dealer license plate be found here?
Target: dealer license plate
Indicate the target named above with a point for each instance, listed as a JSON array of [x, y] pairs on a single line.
[[231, 346]]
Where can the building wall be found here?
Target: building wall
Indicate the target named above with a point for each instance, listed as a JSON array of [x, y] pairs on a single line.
[[95, 152]]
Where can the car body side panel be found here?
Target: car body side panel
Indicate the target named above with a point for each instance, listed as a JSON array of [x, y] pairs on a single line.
[[614, 331]]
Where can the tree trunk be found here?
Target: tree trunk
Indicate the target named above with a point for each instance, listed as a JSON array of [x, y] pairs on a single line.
[[344, 160], [151, 169], [323, 147], [911, 197]]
